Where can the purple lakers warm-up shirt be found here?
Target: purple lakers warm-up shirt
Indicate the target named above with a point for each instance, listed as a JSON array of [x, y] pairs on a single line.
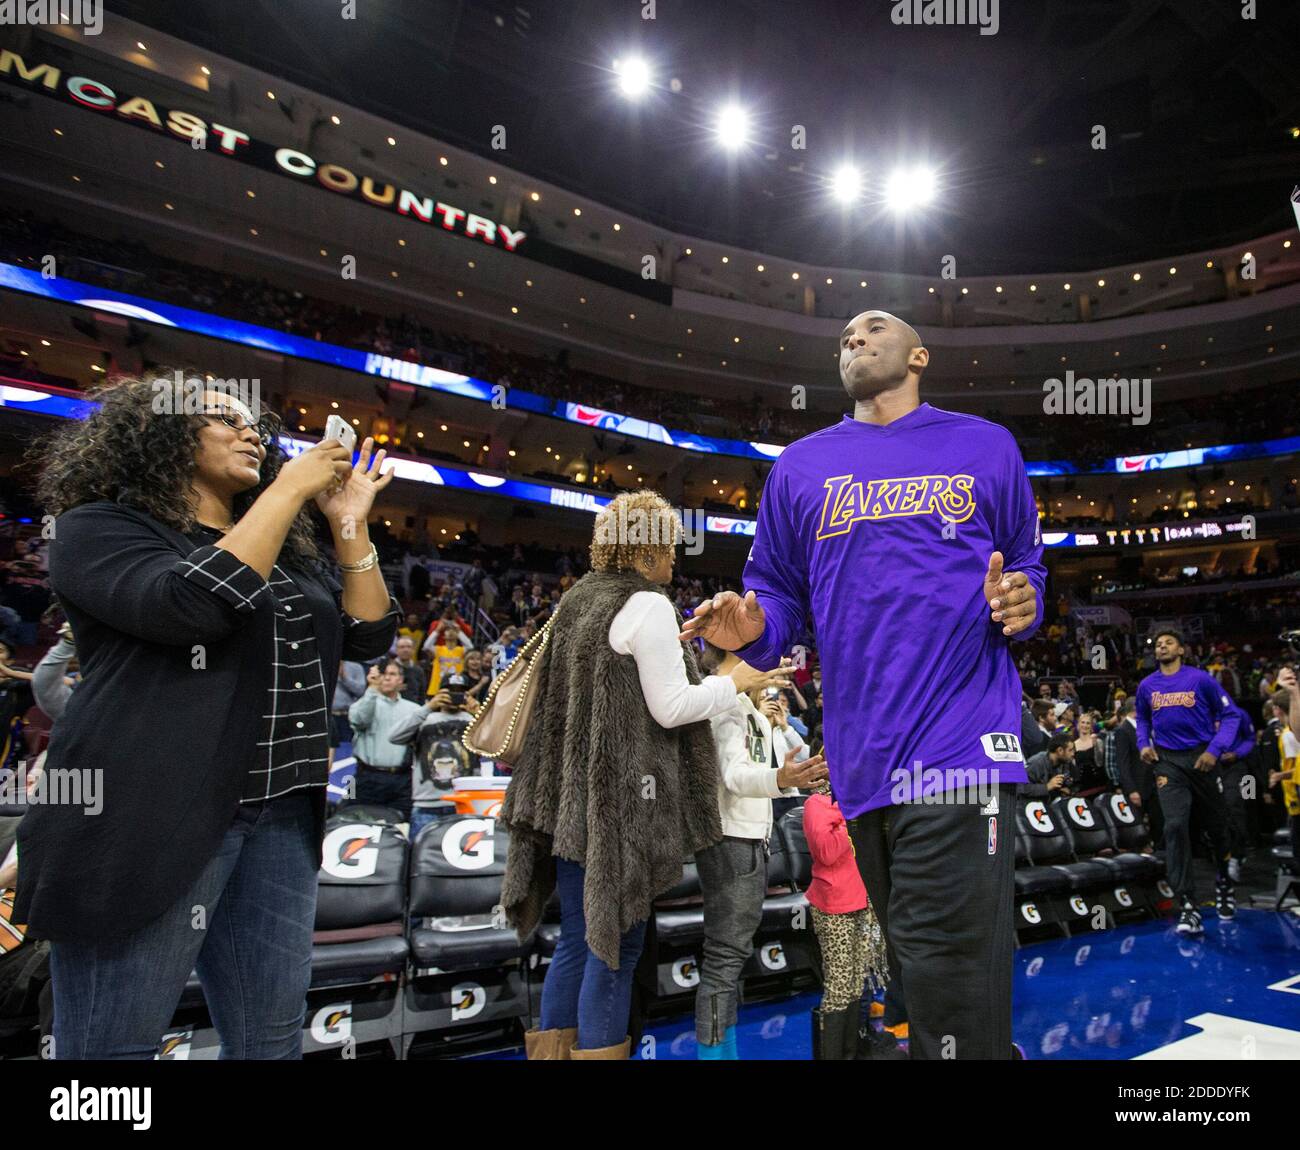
[[1186, 710], [885, 534]]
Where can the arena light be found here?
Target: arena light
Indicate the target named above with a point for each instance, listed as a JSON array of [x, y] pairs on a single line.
[[633, 77], [732, 126], [909, 188], [846, 183]]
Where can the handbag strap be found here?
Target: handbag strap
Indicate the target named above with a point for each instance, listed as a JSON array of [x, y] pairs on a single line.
[[524, 652]]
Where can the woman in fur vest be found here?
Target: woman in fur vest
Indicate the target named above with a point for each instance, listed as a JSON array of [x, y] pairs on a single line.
[[618, 781]]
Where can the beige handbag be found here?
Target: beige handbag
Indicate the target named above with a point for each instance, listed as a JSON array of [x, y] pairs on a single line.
[[499, 729]]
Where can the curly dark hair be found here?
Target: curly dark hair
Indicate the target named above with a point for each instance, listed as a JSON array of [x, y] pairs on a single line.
[[127, 452]]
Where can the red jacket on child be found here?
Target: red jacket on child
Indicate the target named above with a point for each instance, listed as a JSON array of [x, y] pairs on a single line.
[[836, 887]]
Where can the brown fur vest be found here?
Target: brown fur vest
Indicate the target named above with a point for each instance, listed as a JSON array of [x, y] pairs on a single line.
[[599, 782]]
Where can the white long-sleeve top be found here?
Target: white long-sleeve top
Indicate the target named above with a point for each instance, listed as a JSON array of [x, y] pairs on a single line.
[[747, 780], [646, 628]]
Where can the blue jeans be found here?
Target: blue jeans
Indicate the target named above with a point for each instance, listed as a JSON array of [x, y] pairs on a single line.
[[245, 926], [580, 990]]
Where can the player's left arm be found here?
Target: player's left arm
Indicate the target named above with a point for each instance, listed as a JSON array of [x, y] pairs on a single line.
[[1226, 716], [1016, 577]]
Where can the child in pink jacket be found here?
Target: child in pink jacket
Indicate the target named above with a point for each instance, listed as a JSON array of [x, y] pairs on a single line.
[[852, 946]]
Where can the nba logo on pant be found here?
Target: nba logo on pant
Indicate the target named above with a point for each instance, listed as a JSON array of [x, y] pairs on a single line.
[[993, 836]]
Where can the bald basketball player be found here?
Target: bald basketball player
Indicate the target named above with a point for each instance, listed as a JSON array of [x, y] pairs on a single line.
[[910, 535]]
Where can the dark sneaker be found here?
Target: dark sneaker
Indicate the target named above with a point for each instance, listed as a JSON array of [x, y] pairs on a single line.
[[1189, 920], [1225, 901]]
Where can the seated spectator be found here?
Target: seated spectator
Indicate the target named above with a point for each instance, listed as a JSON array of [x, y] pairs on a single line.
[[51, 683], [25, 590], [1049, 771], [15, 699], [25, 991]]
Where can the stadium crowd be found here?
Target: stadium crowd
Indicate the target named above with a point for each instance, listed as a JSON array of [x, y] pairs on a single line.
[[129, 266]]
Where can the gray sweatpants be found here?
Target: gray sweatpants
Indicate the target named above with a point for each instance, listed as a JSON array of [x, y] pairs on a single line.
[[733, 879]]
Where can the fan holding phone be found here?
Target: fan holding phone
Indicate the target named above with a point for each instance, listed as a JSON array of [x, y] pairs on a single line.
[[336, 427], [178, 535]]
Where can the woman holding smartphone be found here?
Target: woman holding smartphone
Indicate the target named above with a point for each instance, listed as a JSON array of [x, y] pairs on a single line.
[[209, 633]]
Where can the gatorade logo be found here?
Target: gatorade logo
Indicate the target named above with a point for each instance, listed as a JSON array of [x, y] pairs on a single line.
[[1002, 747], [468, 844], [1123, 897], [1080, 813], [1030, 911], [1120, 809], [1078, 905], [332, 1025], [686, 972], [1039, 819], [467, 1000], [771, 955], [347, 852], [1165, 889]]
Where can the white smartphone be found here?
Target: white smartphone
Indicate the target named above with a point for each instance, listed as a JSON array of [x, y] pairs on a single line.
[[336, 427]]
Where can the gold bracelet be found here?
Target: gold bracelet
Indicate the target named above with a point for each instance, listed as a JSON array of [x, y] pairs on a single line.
[[363, 565]]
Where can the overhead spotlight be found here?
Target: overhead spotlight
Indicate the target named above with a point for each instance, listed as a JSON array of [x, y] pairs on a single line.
[[909, 188], [733, 126], [846, 183], [633, 77]]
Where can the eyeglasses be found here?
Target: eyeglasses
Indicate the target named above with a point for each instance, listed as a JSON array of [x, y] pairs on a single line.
[[268, 427]]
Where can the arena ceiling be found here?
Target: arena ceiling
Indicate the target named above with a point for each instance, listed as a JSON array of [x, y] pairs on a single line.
[[1198, 106]]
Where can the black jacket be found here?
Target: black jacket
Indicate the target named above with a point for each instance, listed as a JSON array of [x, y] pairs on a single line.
[[1134, 774], [173, 733], [1032, 737]]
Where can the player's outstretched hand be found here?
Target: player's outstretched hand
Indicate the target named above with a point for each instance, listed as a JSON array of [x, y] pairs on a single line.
[[805, 775], [726, 621], [1011, 597]]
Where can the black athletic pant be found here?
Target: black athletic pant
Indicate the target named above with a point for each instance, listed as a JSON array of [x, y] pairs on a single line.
[[1155, 817], [1184, 792], [1234, 775], [941, 884]]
